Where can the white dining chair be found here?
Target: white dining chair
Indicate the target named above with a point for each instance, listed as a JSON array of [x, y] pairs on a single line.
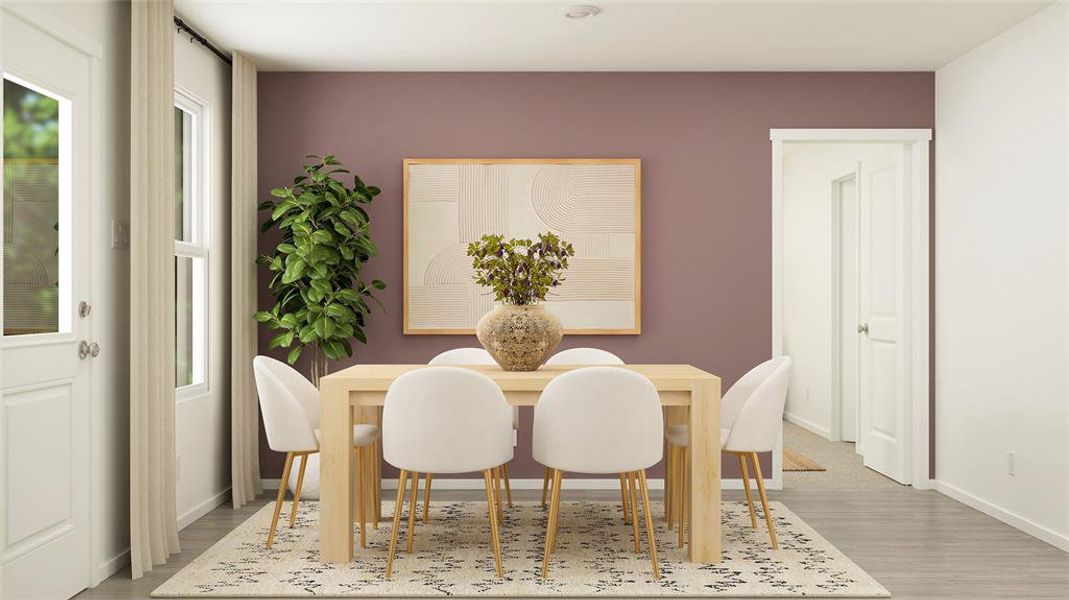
[[586, 357], [751, 414], [289, 404], [471, 356], [600, 420], [444, 420]]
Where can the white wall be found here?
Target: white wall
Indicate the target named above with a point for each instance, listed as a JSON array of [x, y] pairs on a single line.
[[202, 423], [1002, 303], [809, 269]]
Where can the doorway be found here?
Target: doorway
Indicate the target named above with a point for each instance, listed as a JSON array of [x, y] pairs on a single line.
[[850, 290], [46, 343]]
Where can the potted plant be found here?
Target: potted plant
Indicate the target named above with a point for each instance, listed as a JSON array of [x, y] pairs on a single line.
[[321, 297], [520, 333]]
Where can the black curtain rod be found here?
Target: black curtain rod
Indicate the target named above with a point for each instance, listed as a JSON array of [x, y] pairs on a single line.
[[200, 39]]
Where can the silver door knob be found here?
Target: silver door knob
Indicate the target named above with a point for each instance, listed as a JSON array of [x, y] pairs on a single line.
[[85, 349], [863, 328]]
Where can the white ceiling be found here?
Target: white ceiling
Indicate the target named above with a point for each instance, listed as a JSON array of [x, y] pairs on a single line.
[[654, 35]]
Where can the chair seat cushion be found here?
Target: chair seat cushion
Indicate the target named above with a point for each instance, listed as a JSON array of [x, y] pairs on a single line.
[[679, 435], [363, 434]]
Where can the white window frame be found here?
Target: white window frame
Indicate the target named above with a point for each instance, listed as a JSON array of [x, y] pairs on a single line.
[[198, 231]]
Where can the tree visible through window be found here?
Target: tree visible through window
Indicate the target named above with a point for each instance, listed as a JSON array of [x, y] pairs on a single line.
[[31, 210]]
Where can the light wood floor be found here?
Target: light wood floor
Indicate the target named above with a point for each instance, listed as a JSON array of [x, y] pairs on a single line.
[[919, 545]]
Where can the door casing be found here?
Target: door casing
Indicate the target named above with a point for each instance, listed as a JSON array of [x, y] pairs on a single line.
[[915, 147]]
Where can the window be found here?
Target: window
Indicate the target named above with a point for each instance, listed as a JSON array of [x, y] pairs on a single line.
[[36, 204], [191, 245]]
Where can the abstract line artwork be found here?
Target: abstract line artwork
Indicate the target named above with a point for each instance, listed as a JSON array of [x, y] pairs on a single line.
[[592, 203]]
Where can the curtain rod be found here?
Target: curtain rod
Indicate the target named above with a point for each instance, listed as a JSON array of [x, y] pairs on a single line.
[[200, 39]]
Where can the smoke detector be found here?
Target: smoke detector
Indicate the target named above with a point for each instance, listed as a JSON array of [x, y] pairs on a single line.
[[579, 11]]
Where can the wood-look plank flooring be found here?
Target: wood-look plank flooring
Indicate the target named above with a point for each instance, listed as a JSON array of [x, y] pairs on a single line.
[[919, 545]]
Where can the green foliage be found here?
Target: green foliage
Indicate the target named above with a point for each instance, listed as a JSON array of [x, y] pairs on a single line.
[[520, 271], [321, 298], [31, 123]]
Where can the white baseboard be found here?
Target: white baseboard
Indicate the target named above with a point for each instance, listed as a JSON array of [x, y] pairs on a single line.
[[532, 484], [808, 425], [111, 566], [198, 511], [1013, 520]]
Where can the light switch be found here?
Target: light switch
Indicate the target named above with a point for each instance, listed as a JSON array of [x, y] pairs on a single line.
[[120, 234]]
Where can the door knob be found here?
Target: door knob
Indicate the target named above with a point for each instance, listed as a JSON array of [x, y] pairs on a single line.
[[863, 328], [85, 349]]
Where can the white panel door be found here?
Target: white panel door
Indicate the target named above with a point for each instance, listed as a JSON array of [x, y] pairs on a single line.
[[883, 435], [45, 387]]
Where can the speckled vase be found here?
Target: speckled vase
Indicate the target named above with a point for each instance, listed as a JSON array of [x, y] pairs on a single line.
[[520, 338]]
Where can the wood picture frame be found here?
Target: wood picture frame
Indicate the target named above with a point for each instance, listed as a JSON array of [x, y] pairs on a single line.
[[618, 168]]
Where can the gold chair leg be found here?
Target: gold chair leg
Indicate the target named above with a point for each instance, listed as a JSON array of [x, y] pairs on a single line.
[[649, 524], [764, 501], [412, 513], [495, 535], [376, 486], [631, 491], [508, 484], [545, 484], [551, 523], [669, 483], [297, 490], [684, 500], [497, 494], [282, 484], [623, 499], [402, 480], [746, 486], [558, 479], [361, 476], [427, 499]]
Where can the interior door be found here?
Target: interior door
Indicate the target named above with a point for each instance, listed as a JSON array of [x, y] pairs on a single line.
[[883, 428], [45, 386]]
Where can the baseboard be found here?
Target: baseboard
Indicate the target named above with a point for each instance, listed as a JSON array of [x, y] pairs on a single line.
[[531, 484], [809, 426], [1013, 520], [198, 511], [111, 566]]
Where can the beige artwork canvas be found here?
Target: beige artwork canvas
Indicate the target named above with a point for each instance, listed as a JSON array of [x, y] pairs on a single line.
[[593, 203]]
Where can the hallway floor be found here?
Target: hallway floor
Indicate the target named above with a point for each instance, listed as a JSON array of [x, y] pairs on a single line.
[[844, 468]]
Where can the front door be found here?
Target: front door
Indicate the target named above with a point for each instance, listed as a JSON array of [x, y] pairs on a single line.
[[882, 374], [44, 365]]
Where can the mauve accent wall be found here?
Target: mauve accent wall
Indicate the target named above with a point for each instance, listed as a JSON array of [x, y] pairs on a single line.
[[706, 182]]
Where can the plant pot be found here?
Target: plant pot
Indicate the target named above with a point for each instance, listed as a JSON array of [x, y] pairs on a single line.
[[520, 338]]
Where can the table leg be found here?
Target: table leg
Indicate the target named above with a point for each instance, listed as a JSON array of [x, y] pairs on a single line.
[[704, 475], [336, 469]]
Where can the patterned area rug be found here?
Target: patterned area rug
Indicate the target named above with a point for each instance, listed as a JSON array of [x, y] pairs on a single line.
[[796, 461], [594, 557]]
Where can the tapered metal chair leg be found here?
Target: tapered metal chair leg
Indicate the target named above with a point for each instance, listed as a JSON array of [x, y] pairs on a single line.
[[746, 486], [402, 479], [764, 501], [297, 490], [649, 524], [495, 534], [412, 513], [281, 497]]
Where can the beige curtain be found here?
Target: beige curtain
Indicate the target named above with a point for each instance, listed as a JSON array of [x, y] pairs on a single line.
[[244, 410], [153, 525]]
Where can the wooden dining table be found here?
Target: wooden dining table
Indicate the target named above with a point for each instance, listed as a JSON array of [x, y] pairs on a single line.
[[357, 394]]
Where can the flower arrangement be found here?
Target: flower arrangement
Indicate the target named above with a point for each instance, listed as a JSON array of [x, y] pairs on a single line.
[[520, 271]]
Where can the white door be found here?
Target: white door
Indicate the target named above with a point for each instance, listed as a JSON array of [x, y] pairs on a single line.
[[883, 436], [847, 197], [45, 385]]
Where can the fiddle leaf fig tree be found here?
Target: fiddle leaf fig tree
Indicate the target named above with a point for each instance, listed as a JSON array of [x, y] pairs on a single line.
[[321, 296]]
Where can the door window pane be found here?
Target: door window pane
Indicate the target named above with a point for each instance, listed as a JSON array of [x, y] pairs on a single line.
[[31, 210]]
